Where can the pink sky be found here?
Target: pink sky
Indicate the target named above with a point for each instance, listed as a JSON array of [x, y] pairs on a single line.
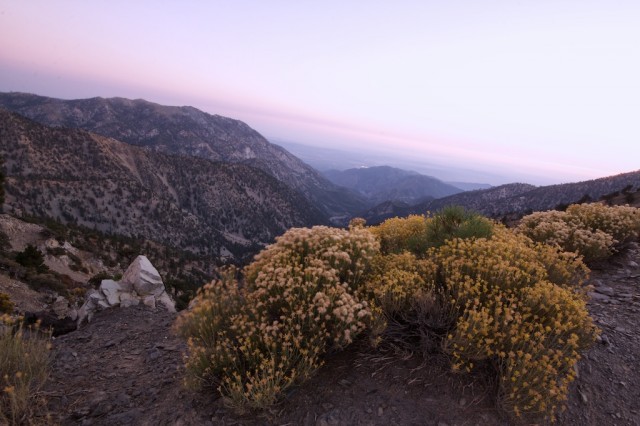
[[539, 91]]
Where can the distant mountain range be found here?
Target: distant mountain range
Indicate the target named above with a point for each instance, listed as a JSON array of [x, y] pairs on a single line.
[[207, 207], [188, 131], [515, 199], [384, 183]]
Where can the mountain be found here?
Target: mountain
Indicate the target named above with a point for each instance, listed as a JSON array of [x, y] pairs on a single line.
[[515, 200], [207, 207], [187, 131], [470, 186], [384, 183]]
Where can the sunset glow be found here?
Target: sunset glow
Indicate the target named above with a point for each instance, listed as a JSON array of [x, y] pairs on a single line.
[[546, 92]]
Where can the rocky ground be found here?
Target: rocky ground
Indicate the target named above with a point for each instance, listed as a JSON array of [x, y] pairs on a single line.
[[125, 368]]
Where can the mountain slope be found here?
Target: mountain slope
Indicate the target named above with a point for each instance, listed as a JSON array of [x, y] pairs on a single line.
[[384, 183], [514, 199], [186, 131], [193, 203], [520, 199]]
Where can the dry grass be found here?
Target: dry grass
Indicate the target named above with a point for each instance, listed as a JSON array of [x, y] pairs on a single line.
[[24, 356]]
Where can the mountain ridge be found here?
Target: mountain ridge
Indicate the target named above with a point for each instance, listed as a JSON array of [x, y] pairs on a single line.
[[385, 183], [189, 131], [514, 199], [203, 206]]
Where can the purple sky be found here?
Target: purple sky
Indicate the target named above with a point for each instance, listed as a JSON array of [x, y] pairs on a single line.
[[536, 91]]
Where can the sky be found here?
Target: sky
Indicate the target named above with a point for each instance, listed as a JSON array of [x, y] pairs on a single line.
[[544, 91]]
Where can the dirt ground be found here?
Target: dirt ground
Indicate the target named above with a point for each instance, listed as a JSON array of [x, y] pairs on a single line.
[[125, 368]]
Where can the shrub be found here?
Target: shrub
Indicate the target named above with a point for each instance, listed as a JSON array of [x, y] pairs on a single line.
[[419, 233], [455, 222], [6, 305], [300, 299], [399, 234], [24, 358], [592, 230], [509, 308], [31, 257], [505, 301]]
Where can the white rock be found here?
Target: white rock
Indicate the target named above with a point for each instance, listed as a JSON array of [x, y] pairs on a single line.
[[150, 301], [111, 290], [127, 300], [166, 300], [144, 278], [141, 283]]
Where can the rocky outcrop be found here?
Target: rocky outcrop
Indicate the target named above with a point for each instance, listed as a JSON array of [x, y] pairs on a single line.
[[141, 283]]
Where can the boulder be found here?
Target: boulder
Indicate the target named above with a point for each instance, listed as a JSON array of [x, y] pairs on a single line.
[[143, 278], [141, 283]]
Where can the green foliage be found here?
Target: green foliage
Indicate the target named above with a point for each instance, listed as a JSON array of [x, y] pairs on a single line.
[[300, 299], [593, 230], [24, 356], [418, 233], [31, 257], [455, 222], [6, 305]]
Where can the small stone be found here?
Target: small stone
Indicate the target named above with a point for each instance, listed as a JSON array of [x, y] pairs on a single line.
[[584, 397], [598, 297], [608, 291], [369, 410], [380, 411], [462, 402]]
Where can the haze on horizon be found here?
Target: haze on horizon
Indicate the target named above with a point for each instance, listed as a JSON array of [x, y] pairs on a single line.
[[541, 92]]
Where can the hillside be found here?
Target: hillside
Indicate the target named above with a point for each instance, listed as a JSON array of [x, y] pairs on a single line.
[[206, 207], [187, 131], [520, 199], [516, 199], [384, 183]]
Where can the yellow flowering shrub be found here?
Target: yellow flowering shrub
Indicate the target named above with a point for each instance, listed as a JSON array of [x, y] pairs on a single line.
[[509, 307], [592, 230], [399, 234], [300, 297], [24, 367], [504, 300]]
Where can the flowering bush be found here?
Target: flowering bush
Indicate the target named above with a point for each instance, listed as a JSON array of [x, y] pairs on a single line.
[[592, 230], [510, 308], [300, 298], [504, 300], [494, 297], [399, 234]]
